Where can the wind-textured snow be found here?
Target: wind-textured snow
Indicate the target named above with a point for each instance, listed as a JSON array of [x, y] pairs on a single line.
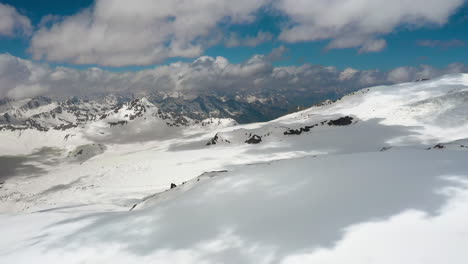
[[380, 176]]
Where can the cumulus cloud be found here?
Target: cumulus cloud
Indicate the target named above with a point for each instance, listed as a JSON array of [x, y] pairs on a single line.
[[144, 32], [121, 32], [12, 22], [359, 23], [407, 74], [374, 45], [21, 78], [347, 74], [277, 54]]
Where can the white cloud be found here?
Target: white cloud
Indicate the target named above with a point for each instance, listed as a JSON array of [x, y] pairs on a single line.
[[26, 90], [360, 23], [373, 45], [12, 22], [408, 74], [21, 78], [144, 32], [401, 74], [347, 74], [121, 32]]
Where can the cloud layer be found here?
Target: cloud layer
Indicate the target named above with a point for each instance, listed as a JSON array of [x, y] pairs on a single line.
[[12, 22], [119, 32], [21, 78], [360, 23]]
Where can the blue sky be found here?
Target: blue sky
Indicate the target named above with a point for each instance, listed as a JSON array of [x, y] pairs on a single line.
[[403, 48], [444, 44]]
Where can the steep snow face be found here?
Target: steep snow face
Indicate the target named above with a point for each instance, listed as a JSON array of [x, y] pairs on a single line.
[[434, 109], [424, 112], [380, 175]]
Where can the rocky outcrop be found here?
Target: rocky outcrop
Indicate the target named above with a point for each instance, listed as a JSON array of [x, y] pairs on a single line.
[[64, 127], [254, 139], [456, 145], [118, 123], [385, 149], [216, 140], [342, 121], [299, 131]]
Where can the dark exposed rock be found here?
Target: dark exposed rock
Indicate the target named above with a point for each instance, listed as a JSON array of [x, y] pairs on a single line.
[[216, 139], [385, 149], [342, 121], [123, 122], [438, 146], [293, 132], [254, 139], [444, 146], [64, 127], [68, 136], [31, 123], [173, 185], [12, 128], [213, 141], [7, 117], [299, 131]]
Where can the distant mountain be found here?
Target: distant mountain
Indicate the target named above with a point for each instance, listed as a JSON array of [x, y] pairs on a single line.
[[243, 110], [43, 113], [245, 106]]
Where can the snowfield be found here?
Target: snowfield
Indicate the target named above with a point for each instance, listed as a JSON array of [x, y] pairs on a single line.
[[380, 176]]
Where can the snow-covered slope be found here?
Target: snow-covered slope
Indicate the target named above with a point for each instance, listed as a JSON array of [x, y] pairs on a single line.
[[379, 176], [422, 112]]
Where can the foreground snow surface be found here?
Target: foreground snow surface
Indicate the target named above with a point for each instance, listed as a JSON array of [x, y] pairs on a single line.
[[392, 187]]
